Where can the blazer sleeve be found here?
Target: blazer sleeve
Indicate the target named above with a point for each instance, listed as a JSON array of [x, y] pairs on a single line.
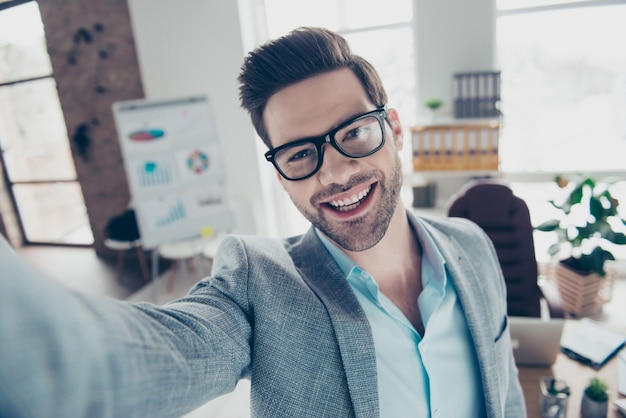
[[68, 354]]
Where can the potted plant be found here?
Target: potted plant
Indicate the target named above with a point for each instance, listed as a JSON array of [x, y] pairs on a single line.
[[589, 224], [594, 403], [434, 105]]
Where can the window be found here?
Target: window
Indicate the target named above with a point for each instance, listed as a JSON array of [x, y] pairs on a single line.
[[36, 156], [563, 86]]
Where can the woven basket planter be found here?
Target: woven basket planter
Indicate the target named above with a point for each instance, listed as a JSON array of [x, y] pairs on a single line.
[[582, 295]]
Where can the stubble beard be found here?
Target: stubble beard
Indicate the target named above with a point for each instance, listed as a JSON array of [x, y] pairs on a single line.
[[361, 233]]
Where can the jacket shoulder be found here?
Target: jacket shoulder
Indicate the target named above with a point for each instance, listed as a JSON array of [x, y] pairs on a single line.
[[459, 228]]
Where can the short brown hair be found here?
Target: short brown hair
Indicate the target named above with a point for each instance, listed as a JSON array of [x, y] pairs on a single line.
[[301, 54]]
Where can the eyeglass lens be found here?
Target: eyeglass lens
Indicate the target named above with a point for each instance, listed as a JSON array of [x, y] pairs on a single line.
[[357, 139]]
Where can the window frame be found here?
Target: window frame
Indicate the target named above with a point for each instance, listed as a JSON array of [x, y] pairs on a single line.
[[6, 177]]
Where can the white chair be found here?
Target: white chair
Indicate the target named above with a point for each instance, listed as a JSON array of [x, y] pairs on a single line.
[[211, 247], [121, 247], [184, 253]]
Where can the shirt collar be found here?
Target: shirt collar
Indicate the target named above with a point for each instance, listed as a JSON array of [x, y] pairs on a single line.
[[432, 259], [344, 262], [433, 263]]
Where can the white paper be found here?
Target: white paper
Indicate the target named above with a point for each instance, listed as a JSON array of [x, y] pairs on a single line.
[[592, 341]]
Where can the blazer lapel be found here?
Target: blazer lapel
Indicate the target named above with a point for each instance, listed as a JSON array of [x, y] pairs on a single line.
[[351, 327], [476, 303]]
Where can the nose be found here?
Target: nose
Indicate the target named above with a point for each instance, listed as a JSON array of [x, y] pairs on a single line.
[[336, 167]]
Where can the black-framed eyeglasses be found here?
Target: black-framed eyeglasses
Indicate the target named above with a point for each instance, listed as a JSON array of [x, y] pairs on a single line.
[[358, 137]]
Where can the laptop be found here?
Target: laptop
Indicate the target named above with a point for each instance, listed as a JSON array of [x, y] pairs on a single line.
[[536, 342]]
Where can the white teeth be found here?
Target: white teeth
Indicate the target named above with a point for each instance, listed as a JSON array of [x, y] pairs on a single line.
[[351, 200]]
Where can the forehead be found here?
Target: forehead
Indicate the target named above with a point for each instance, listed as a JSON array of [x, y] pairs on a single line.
[[314, 106]]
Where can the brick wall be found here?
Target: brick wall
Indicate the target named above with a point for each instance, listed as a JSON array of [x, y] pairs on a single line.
[[93, 56]]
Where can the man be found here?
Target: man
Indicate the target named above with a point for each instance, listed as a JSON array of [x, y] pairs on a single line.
[[373, 312]]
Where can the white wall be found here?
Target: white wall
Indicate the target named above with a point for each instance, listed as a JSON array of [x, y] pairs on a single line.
[[451, 36], [194, 47]]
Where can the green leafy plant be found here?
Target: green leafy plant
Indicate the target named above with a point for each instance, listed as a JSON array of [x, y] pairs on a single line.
[[433, 104], [596, 390], [589, 221]]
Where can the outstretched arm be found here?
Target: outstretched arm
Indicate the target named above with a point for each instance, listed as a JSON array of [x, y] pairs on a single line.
[[67, 354]]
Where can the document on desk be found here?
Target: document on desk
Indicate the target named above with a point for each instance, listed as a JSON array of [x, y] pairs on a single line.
[[591, 343]]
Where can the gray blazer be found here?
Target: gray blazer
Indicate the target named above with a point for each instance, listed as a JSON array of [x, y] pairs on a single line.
[[276, 311]]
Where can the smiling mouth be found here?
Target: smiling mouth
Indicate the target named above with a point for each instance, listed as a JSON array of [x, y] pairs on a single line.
[[352, 202]]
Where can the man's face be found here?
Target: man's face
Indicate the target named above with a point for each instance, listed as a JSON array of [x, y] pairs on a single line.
[[350, 200]]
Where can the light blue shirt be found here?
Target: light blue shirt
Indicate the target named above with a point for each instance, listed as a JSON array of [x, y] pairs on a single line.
[[419, 376]]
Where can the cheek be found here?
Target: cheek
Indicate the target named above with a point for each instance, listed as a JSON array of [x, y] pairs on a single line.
[[297, 192], [388, 155]]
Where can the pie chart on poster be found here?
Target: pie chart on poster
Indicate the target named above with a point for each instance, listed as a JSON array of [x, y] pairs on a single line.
[[197, 162], [146, 134]]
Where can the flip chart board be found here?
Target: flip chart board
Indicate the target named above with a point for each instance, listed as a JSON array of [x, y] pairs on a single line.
[[175, 168]]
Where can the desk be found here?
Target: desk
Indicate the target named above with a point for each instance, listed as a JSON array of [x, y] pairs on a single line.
[[576, 375]]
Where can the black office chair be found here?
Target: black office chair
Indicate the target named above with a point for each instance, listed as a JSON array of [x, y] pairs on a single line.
[[122, 234], [505, 218]]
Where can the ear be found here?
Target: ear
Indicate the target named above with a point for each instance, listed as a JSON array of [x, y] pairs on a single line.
[[396, 128]]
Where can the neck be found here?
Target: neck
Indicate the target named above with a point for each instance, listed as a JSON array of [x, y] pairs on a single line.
[[395, 263], [396, 257]]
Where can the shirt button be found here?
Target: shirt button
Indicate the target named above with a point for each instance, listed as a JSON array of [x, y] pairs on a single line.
[[437, 413], [424, 348]]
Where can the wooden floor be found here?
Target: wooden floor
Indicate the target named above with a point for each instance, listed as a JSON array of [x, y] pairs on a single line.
[[81, 269]]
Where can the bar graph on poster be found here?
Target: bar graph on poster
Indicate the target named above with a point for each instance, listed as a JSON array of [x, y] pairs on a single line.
[[174, 167]]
